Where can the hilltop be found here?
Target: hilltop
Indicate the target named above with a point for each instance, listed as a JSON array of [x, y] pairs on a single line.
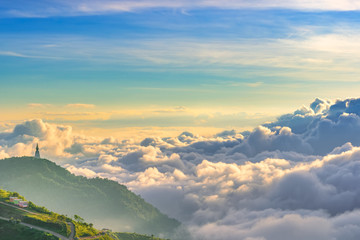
[[103, 202]]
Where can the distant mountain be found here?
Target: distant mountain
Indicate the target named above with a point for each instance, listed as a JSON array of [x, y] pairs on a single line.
[[103, 202]]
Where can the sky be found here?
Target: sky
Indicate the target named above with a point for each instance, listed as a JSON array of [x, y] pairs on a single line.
[[241, 119], [160, 67]]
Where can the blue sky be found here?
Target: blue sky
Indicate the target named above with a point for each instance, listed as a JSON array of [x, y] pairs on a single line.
[[89, 80], [137, 60]]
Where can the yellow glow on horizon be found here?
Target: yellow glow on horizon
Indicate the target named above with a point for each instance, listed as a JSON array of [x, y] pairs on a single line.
[[141, 122], [139, 133]]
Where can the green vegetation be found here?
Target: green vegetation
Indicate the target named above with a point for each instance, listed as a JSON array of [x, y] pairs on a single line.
[[9, 212], [38, 209], [12, 230], [84, 229], [103, 202], [124, 236], [48, 223], [134, 236], [41, 216]]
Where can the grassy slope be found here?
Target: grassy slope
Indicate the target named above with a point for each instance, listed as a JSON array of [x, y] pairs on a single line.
[[134, 236], [52, 221], [11, 231], [102, 202], [43, 218]]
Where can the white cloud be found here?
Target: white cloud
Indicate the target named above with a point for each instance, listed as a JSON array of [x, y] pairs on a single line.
[[3, 154], [299, 170], [81, 171]]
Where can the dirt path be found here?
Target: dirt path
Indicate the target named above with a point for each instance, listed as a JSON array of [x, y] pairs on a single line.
[[40, 229], [72, 234], [22, 209], [92, 237]]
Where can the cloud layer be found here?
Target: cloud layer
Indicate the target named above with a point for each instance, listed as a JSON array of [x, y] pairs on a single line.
[[297, 175]]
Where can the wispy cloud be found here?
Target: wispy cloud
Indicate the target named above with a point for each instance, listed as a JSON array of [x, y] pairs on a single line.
[[91, 7], [71, 105], [21, 55], [12, 54], [325, 56], [39, 105], [103, 6], [178, 109], [80, 105]]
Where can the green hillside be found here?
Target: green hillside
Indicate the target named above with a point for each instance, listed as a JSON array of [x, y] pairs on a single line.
[[11, 231], [133, 236], [12, 217], [38, 216], [105, 203]]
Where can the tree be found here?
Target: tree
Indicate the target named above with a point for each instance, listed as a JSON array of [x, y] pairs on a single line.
[[78, 218]]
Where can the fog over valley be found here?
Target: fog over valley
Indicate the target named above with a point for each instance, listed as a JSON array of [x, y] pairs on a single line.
[[297, 174]]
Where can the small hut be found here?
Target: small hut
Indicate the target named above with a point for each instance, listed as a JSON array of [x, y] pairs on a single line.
[[23, 204]]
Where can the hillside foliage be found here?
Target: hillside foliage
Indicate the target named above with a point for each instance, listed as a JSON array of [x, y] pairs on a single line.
[[12, 230], [39, 216], [103, 202]]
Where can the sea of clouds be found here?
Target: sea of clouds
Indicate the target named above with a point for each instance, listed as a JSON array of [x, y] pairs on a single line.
[[295, 178]]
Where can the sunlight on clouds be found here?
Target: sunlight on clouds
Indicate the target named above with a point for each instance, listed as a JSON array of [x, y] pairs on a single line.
[[287, 174], [141, 122], [346, 43], [80, 105], [313, 53], [190, 104], [140, 133], [39, 105], [3, 154], [82, 172]]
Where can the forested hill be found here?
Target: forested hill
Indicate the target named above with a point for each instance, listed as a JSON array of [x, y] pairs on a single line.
[[100, 201]]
